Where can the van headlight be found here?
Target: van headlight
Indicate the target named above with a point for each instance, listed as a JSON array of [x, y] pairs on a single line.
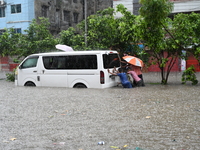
[[16, 73]]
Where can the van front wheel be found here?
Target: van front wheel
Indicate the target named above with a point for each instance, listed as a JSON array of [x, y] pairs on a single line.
[[29, 84], [79, 85]]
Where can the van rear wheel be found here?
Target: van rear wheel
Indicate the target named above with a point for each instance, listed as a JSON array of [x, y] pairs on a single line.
[[29, 84], [79, 85]]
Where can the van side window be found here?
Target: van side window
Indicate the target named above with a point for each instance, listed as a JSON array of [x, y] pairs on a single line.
[[70, 62], [30, 62], [111, 60]]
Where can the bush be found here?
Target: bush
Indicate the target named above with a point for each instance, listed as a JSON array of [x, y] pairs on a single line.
[[11, 76], [189, 75]]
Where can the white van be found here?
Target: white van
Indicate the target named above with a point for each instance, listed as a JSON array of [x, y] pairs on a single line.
[[77, 69]]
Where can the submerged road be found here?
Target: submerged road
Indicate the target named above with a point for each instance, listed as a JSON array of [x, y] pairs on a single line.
[[154, 117]]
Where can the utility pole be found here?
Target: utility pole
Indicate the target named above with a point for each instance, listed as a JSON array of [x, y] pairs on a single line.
[[85, 2]]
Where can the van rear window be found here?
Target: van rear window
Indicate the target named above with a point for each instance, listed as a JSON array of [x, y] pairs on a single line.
[[111, 60], [70, 62]]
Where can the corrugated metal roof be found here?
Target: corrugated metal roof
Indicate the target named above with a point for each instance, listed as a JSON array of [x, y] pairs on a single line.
[[188, 6]]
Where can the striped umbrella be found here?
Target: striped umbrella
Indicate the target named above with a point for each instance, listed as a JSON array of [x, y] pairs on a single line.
[[133, 61]]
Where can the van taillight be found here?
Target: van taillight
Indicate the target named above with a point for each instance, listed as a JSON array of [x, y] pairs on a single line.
[[102, 79]]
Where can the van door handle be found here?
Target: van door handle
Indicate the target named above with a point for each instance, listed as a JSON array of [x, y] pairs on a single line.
[[34, 71]]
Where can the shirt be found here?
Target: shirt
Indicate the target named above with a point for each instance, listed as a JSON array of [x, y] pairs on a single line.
[[134, 75], [123, 77], [136, 69]]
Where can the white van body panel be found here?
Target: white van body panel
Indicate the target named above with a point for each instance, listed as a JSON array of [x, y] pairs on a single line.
[[42, 76], [54, 78], [29, 75]]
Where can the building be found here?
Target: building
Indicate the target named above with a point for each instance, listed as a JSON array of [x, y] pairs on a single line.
[[127, 3], [185, 6], [62, 14]]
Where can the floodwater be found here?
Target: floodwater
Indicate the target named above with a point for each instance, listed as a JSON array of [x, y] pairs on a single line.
[[154, 117]]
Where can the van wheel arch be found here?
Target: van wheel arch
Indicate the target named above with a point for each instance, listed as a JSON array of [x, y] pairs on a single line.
[[79, 85], [29, 83]]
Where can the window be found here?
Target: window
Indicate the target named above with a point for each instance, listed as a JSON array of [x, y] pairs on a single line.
[[70, 62], [76, 17], [29, 63], [75, 1], [111, 61], [2, 31], [17, 30], [66, 16], [16, 8], [45, 11], [2, 12]]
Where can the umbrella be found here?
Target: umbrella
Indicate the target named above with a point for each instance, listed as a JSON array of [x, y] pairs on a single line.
[[133, 61], [64, 48]]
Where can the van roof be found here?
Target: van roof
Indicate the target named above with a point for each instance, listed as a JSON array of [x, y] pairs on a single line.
[[76, 52]]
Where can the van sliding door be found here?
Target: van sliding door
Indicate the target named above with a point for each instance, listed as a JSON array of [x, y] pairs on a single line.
[[53, 72]]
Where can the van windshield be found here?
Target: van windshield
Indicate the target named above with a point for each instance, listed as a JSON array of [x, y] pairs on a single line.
[[30, 62], [111, 60]]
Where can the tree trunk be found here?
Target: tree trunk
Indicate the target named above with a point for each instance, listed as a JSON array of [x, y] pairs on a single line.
[[163, 80]]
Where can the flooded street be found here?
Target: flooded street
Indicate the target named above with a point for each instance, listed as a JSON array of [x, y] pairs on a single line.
[[154, 117]]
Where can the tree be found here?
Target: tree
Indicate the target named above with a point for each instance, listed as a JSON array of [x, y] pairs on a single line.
[[166, 38], [9, 42], [186, 29], [72, 38], [38, 38], [104, 31]]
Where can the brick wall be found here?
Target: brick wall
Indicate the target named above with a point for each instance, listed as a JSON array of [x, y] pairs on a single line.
[[7, 64]]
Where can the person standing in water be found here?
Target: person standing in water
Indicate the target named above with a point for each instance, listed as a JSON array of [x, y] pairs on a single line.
[[138, 71], [123, 77]]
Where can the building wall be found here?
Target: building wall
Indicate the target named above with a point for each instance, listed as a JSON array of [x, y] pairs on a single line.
[[61, 13], [67, 13], [17, 20], [179, 6]]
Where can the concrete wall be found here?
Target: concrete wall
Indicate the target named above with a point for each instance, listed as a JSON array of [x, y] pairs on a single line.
[[67, 13]]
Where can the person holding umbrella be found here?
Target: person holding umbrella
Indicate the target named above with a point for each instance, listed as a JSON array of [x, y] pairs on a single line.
[[135, 64], [136, 80], [138, 72]]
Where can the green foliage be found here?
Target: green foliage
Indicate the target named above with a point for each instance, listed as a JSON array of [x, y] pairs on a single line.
[[15, 60], [186, 29], [153, 28], [10, 76], [103, 31], [71, 38], [38, 38], [162, 34], [9, 42], [189, 75]]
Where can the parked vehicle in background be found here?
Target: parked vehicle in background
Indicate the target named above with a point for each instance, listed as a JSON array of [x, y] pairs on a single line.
[[77, 69]]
